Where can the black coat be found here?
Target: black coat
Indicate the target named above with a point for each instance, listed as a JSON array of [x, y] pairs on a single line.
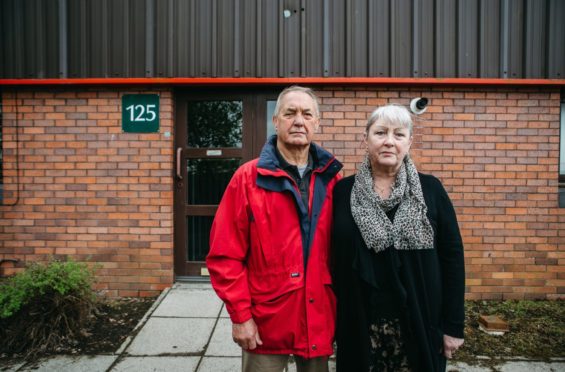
[[425, 288]]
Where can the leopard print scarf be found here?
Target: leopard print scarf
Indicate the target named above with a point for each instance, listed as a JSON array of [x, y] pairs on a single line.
[[410, 229]]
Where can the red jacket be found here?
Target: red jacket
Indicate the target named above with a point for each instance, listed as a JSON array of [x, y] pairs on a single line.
[[259, 238]]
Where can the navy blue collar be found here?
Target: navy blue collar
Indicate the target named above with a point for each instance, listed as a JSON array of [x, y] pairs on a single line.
[[268, 158]]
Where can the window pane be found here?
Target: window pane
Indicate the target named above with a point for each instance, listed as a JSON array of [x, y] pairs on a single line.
[[269, 122], [215, 123], [198, 243], [208, 178]]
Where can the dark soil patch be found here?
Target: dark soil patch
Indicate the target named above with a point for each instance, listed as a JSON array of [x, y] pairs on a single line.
[[537, 330], [112, 324]]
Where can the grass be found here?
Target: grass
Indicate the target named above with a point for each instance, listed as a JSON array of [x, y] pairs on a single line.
[[537, 331]]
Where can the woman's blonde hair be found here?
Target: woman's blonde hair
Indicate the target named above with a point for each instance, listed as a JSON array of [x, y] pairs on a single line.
[[391, 114]]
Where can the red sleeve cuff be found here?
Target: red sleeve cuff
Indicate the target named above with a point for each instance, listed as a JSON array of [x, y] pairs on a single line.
[[239, 317]]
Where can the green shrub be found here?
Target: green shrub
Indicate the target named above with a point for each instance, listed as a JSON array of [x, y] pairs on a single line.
[[44, 305]]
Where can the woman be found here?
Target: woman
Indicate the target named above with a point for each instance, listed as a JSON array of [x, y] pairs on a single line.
[[399, 273]]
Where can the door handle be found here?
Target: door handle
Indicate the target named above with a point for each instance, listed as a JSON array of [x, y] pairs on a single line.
[[179, 153]]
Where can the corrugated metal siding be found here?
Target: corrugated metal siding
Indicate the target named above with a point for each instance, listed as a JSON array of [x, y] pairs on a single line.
[[446, 37], [489, 39], [379, 47], [535, 39], [556, 46], [468, 42], [254, 38]]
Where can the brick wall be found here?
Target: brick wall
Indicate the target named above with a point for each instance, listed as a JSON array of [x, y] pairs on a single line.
[[496, 152], [92, 192], [86, 189]]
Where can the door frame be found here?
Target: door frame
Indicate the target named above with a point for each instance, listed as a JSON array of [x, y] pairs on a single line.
[[253, 138]]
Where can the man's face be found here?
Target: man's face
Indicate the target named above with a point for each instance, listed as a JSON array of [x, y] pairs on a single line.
[[296, 121]]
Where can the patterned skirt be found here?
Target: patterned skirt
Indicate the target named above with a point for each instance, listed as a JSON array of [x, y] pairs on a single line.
[[387, 347]]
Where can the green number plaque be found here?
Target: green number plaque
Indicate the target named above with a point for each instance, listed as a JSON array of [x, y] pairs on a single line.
[[140, 113]]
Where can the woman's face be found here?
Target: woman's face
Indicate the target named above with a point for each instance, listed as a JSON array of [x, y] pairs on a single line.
[[387, 145]]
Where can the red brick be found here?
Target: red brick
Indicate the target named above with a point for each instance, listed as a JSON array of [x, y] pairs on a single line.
[[496, 153]]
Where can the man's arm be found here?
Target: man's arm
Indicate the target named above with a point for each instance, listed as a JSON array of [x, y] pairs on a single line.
[[229, 245]]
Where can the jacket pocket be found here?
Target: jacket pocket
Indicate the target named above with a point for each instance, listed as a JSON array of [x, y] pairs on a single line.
[[279, 318], [267, 287]]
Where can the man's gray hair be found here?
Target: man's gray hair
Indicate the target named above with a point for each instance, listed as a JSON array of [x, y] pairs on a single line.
[[297, 88], [391, 114]]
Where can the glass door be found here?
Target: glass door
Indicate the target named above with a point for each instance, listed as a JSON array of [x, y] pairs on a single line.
[[216, 131]]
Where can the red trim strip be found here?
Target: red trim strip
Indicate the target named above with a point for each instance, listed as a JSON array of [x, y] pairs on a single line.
[[283, 81]]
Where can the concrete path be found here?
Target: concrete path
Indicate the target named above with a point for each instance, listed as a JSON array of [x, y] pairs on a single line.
[[188, 330]]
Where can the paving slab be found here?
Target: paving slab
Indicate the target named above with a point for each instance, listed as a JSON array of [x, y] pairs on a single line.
[[221, 343], [464, 367], [531, 367], [189, 303], [220, 364], [224, 313], [331, 365], [172, 336], [151, 364], [97, 363], [192, 285]]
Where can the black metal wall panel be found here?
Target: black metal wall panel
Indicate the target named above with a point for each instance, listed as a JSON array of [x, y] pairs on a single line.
[[513, 14], [228, 38], [423, 41], [205, 38], [282, 38], [78, 62], [31, 37], [489, 42], [556, 46], [37, 66], [137, 37], [290, 38], [379, 37], [184, 38], [337, 39], [118, 40], [535, 38], [13, 24], [270, 43], [51, 39], [3, 44], [446, 36], [401, 38], [468, 43], [248, 53], [316, 40], [162, 39], [356, 55]]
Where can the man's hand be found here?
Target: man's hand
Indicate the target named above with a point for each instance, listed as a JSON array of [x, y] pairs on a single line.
[[450, 345], [246, 335]]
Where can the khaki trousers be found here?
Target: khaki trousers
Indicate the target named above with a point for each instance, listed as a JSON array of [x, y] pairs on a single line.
[[252, 362]]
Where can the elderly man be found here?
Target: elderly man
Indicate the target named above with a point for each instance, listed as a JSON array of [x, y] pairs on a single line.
[[269, 244]]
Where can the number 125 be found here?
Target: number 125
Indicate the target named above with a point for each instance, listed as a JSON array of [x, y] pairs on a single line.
[[141, 113]]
